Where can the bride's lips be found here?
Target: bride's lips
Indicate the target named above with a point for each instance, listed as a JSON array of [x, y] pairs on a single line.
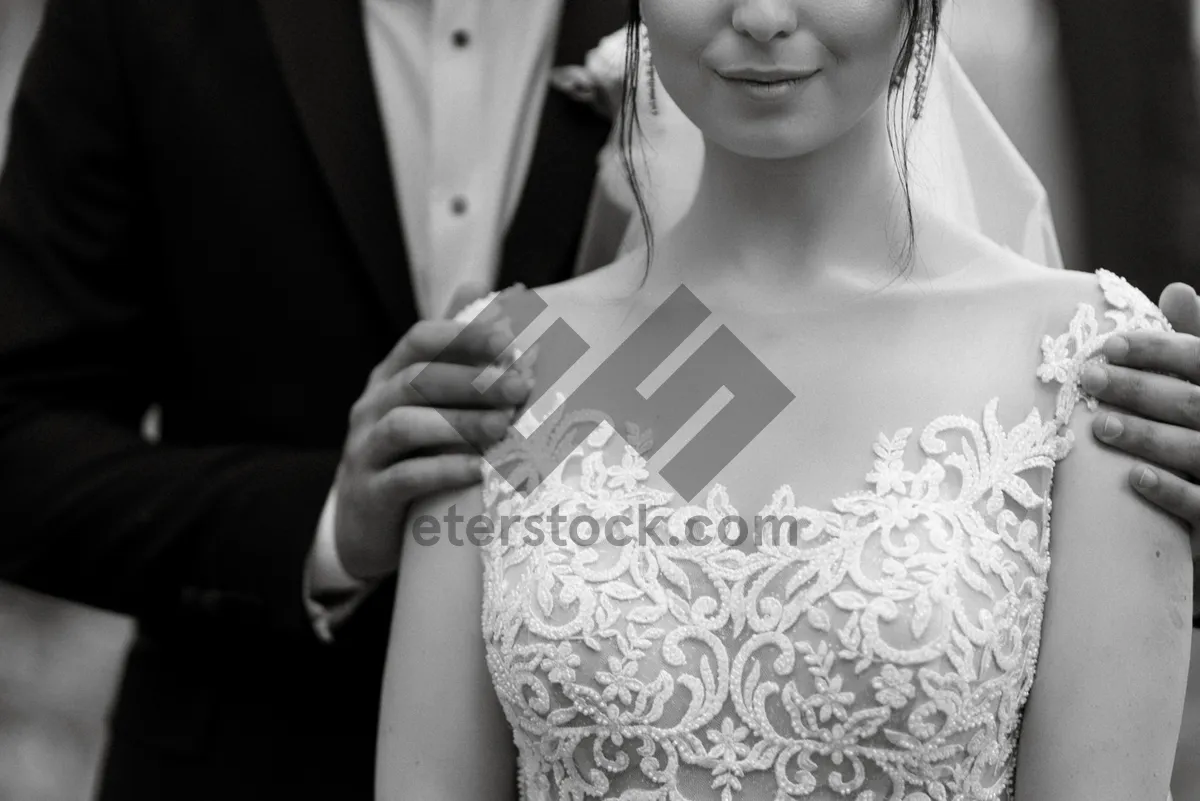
[[765, 84]]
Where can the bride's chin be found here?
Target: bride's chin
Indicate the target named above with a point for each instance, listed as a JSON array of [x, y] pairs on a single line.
[[768, 145], [791, 137]]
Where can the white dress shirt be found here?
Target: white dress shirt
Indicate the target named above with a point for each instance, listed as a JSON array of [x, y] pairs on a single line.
[[458, 82]]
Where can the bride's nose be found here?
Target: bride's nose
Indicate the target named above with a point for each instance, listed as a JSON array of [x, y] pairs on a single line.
[[764, 20]]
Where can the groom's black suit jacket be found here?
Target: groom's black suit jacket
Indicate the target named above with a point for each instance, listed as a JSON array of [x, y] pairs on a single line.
[[197, 212]]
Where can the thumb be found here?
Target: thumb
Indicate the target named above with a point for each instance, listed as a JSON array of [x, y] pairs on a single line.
[[1182, 308], [466, 294]]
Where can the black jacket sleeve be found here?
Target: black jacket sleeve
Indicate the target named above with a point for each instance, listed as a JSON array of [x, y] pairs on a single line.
[[89, 510]]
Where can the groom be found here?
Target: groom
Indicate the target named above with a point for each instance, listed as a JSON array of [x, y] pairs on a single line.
[[233, 210], [199, 212]]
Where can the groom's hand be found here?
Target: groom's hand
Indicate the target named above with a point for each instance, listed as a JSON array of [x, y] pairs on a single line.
[[1158, 417], [403, 445]]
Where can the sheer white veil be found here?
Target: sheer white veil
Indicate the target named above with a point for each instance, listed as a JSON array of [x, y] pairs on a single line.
[[962, 166], [965, 167]]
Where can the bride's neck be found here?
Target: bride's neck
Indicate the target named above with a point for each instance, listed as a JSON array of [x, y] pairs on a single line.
[[798, 221]]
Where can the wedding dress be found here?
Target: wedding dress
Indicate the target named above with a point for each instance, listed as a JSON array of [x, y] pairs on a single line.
[[882, 649], [878, 637]]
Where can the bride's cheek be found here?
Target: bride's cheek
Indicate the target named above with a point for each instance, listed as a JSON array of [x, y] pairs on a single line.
[[861, 32], [680, 31], [681, 19]]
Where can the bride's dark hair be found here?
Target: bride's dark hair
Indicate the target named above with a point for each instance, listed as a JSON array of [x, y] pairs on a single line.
[[920, 15]]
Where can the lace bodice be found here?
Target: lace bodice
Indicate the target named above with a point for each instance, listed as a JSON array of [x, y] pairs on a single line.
[[880, 646]]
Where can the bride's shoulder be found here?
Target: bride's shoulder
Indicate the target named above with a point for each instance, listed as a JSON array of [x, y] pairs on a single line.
[[604, 286], [1052, 295], [977, 265], [595, 302], [593, 306], [1065, 297]]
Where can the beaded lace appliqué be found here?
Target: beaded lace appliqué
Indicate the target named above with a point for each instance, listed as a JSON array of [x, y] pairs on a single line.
[[883, 650]]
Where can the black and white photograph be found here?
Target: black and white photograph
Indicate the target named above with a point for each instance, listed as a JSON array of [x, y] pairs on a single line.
[[599, 400]]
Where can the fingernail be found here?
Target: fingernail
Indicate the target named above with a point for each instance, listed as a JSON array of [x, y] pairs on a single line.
[[1112, 428], [510, 357], [1116, 348], [1095, 379], [496, 425], [1147, 478]]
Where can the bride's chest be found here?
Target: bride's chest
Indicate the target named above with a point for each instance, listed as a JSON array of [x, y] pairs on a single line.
[[893, 622], [940, 554], [882, 575], [571, 495]]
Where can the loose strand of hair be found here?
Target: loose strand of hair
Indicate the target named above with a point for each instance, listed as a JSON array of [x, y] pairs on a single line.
[[630, 127]]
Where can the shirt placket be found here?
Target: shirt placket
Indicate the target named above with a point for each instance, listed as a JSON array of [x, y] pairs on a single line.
[[457, 207]]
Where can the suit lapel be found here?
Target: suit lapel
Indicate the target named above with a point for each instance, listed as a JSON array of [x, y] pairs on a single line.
[[543, 239], [322, 49]]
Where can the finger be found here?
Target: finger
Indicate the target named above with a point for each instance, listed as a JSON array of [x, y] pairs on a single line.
[[1182, 308], [1156, 397], [466, 294], [453, 386], [1168, 492], [425, 475], [454, 341], [1168, 446], [412, 429], [1160, 351], [443, 385]]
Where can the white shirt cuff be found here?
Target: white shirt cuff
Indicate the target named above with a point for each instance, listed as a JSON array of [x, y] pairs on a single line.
[[328, 574], [326, 578]]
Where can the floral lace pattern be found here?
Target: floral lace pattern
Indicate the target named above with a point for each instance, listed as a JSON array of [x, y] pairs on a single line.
[[878, 648]]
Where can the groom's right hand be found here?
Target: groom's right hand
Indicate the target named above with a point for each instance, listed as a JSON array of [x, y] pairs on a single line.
[[403, 445]]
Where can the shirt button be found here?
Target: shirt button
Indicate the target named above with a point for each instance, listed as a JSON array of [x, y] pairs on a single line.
[[459, 206], [461, 38]]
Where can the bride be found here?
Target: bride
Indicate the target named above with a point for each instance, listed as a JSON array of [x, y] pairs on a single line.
[[899, 623]]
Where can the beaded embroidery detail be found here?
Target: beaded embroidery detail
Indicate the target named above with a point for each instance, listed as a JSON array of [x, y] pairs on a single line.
[[881, 649]]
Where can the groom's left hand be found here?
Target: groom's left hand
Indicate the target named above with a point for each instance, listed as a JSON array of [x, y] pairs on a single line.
[[1158, 416]]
